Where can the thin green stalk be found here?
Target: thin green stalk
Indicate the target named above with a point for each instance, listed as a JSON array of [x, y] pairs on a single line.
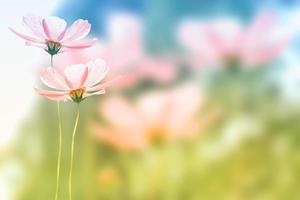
[[52, 61], [72, 153], [59, 145], [59, 150]]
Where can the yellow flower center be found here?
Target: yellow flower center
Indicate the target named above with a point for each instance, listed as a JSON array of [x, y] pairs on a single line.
[[77, 94], [156, 135]]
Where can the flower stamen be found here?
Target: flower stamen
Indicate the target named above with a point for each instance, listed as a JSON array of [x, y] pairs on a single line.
[[77, 94], [53, 47]]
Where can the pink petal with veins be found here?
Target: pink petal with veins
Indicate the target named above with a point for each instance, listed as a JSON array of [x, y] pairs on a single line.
[[97, 71], [79, 44], [27, 38], [54, 27], [76, 75], [34, 23], [53, 95], [99, 92], [78, 30], [105, 84], [53, 79]]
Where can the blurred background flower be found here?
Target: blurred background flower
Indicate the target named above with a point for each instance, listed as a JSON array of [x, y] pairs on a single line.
[[154, 117], [208, 106], [226, 42]]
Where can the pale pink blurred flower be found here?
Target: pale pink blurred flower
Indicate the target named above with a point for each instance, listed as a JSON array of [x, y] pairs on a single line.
[[164, 115], [76, 82], [52, 34], [161, 70], [221, 42], [124, 52], [124, 46], [199, 51]]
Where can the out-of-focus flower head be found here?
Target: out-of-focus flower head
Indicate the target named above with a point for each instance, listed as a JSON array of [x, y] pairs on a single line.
[[76, 82], [124, 52], [228, 42], [155, 116], [52, 34]]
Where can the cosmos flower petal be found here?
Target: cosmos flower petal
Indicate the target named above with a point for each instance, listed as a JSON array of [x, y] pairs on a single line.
[[128, 118], [262, 25], [155, 108], [104, 85], [26, 37], [53, 95], [99, 92], [80, 44], [43, 46], [61, 98], [264, 53], [78, 30], [125, 140], [188, 95], [76, 75], [97, 71], [34, 23], [53, 79], [54, 27]]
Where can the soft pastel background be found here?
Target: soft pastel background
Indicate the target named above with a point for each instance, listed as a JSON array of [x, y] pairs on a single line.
[[208, 107]]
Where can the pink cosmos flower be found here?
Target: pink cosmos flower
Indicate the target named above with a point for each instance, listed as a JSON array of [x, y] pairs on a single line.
[[161, 115], [125, 52], [52, 34], [223, 42], [76, 82]]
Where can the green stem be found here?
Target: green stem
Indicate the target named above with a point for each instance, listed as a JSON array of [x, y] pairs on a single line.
[[72, 153], [59, 151], [52, 61], [59, 145]]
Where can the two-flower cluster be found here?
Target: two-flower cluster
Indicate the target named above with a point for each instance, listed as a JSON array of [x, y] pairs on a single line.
[[75, 82]]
